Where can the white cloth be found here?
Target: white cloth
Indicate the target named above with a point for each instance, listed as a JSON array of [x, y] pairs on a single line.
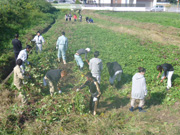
[[169, 76], [117, 74], [38, 39], [138, 86], [23, 56]]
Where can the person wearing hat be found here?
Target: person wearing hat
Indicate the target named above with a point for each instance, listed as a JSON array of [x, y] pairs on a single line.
[[94, 90], [52, 78], [17, 46], [78, 58], [115, 71], [39, 40], [23, 55], [18, 77], [168, 73], [62, 45], [139, 90], [96, 66]]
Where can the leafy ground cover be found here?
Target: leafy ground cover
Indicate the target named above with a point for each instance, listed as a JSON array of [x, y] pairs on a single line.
[[68, 113]]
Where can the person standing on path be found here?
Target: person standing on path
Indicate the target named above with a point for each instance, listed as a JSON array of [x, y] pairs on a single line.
[[139, 90], [80, 18], [168, 72], [96, 66], [75, 17], [52, 78], [62, 46], [69, 16], [115, 70], [66, 17], [94, 90], [23, 55], [78, 58], [17, 46], [18, 77], [39, 40]]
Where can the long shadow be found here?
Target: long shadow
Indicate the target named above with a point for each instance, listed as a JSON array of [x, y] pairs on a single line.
[[113, 103], [156, 99]]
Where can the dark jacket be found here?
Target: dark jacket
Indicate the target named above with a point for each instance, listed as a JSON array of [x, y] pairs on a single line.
[[54, 75], [17, 46], [113, 68]]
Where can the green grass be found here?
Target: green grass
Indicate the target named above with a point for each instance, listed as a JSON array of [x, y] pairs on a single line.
[[165, 19], [68, 113]]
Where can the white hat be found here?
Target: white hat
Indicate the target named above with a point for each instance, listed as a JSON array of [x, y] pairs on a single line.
[[88, 49]]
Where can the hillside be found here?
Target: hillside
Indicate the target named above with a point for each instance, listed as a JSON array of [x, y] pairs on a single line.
[[117, 39]]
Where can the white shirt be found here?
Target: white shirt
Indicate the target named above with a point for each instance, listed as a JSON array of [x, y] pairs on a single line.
[[38, 39], [23, 56]]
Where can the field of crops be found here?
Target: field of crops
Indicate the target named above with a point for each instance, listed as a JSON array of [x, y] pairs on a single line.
[[67, 113]]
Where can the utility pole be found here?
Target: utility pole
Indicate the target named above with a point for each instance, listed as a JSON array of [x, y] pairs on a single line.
[[177, 5]]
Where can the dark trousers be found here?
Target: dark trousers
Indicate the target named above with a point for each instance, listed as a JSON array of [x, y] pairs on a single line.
[[16, 55], [92, 103]]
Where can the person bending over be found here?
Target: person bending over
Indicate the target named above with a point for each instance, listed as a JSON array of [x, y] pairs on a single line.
[[168, 72], [78, 58], [115, 71], [23, 55], [94, 90], [52, 78]]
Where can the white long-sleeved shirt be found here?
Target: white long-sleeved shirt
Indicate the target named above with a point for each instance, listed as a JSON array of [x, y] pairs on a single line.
[[62, 40], [38, 39], [23, 55]]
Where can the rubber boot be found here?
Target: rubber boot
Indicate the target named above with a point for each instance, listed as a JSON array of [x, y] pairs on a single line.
[[131, 109], [141, 110]]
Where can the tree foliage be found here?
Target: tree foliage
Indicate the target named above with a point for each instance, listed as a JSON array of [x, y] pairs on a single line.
[[18, 15]]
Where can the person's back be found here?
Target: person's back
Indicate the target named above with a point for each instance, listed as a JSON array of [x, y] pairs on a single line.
[[62, 40], [18, 76], [54, 75], [138, 91], [17, 46], [113, 67], [96, 65]]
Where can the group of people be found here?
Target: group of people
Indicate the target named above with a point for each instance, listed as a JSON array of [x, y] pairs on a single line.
[[89, 20], [95, 64], [69, 16]]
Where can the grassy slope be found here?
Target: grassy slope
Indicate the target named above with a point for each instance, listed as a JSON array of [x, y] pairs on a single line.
[[166, 19], [113, 116]]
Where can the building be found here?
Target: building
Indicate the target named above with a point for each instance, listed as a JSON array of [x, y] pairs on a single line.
[[125, 3]]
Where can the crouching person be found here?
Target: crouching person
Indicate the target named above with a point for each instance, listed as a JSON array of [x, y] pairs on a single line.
[[115, 71], [94, 90], [18, 77], [52, 78], [139, 90]]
